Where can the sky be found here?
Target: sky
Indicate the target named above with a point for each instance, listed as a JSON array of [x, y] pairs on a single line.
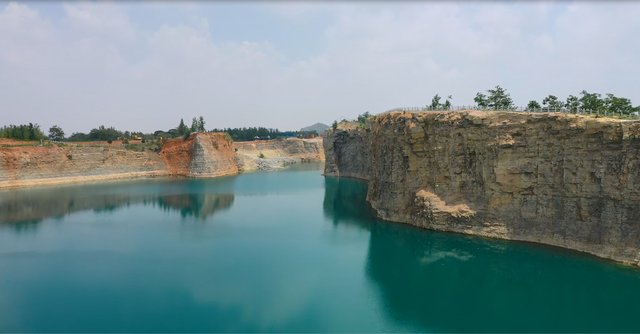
[[142, 66]]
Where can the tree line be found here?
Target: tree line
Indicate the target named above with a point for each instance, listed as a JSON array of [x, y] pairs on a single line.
[[253, 133], [32, 131], [497, 98], [22, 132]]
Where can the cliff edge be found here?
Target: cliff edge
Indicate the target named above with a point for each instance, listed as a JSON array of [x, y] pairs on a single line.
[[565, 180]]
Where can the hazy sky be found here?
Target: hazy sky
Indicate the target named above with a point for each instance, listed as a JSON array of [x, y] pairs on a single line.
[[144, 65]]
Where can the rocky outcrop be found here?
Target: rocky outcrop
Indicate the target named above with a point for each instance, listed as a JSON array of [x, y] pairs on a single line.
[[277, 153], [347, 153], [200, 155], [564, 180]]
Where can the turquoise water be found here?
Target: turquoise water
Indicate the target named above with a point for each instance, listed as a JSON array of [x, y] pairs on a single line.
[[287, 251]]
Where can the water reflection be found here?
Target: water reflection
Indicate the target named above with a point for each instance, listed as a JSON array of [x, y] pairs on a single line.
[[442, 282], [23, 210], [196, 205], [345, 202], [430, 281]]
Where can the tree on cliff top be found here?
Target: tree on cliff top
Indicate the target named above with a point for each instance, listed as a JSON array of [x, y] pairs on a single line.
[[498, 99], [182, 128], [197, 125], [56, 133], [481, 100], [435, 102], [201, 124], [591, 101], [573, 103], [23, 132], [616, 104], [552, 102], [533, 105], [104, 133]]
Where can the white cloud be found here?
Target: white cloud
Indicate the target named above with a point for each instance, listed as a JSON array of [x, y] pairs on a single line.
[[99, 64]]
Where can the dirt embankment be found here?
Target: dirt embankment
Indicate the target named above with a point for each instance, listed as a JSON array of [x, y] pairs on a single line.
[[564, 180], [53, 164]]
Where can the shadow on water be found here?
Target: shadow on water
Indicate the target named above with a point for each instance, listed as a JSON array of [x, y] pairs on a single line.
[[23, 210], [432, 281], [345, 202]]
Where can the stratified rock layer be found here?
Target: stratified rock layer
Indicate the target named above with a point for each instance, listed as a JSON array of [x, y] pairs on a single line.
[[277, 153], [200, 155], [563, 180]]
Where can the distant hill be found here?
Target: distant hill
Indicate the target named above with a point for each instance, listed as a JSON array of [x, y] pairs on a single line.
[[318, 127]]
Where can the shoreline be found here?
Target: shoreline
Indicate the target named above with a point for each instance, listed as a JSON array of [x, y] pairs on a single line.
[[129, 176], [70, 180]]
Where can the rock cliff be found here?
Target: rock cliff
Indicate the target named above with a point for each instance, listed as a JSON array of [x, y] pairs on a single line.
[[277, 153], [199, 155], [564, 180]]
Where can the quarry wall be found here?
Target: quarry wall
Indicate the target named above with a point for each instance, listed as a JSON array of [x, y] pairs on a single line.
[[199, 155], [564, 180]]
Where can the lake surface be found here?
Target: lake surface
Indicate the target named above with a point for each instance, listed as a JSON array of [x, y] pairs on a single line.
[[286, 251]]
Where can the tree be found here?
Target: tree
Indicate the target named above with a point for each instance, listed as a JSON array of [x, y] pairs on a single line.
[[499, 98], [552, 102], [362, 118], [334, 126], [56, 133], [23, 132], [194, 125], [573, 103], [182, 128], [620, 105], [481, 100], [201, 124], [435, 102], [533, 105], [591, 101], [104, 133], [447, 103]]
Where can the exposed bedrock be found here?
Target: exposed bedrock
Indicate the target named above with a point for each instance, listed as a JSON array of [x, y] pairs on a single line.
[[277, 153], [198, 155], [564, 180]]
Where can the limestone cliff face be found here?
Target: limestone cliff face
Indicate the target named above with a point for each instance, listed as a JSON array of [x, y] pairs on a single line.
[[564, 180], [277, 153], [200, 155], [212, 155], [347, 153]]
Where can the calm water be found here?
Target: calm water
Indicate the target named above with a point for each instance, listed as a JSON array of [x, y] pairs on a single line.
[[284, 251]]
